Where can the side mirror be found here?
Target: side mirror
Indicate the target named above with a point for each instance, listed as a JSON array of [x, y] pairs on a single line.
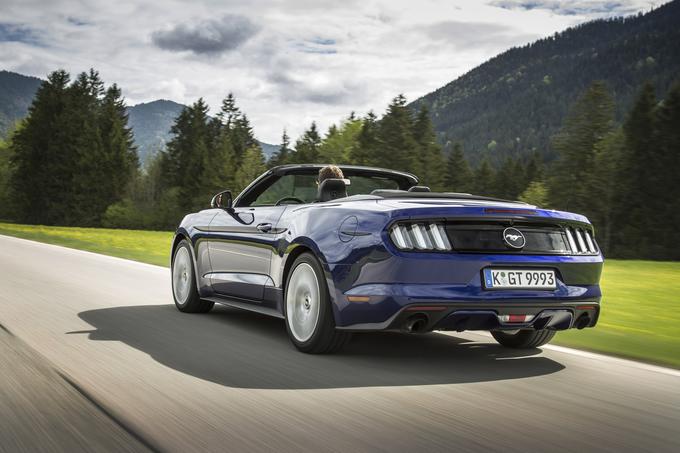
[[222, 200]]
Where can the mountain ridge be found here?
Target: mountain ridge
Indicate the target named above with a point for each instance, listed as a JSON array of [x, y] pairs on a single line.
[[514, 103]]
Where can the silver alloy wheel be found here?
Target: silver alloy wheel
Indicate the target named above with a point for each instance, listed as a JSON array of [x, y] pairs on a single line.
[[181, 275], [303, 302]]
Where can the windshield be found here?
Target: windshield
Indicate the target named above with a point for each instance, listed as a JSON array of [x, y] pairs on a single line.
[[304, 187]]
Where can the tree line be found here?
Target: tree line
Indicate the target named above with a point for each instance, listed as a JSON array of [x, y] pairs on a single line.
[[72, 161]]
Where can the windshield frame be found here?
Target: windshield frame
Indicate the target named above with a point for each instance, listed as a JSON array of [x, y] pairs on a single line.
[[266, 180]]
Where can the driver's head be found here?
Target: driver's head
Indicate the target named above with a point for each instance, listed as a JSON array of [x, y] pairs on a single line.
[[329, 171]]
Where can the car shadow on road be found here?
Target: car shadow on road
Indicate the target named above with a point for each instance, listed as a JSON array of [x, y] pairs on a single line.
[[238, 348]]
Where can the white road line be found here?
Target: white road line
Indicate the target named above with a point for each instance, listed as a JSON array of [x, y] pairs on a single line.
[[597, 356], [560, 349]]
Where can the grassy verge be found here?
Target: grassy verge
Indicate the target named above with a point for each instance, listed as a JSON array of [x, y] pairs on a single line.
[[151, 247], [641, 305], [640, 313]]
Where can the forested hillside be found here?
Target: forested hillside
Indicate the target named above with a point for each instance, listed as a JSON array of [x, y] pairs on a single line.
[[513, 104], [16, 94]]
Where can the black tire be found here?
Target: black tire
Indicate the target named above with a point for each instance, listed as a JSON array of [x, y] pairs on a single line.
[[325, 338], [189, 302], [524, 339]]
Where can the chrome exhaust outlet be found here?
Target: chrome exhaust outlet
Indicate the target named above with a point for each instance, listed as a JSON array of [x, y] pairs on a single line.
[[583, 321], [416, 323]]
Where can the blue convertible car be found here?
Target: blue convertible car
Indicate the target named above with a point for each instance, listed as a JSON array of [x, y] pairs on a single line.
[[376, 251]]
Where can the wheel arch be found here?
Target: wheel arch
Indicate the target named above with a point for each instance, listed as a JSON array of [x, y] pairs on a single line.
[[179, 237], [299, 249]]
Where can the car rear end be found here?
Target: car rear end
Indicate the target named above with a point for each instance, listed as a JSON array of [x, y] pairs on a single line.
[[473, 265]]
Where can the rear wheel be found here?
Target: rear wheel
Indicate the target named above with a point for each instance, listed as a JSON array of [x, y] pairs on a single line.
[[309, 315], [184, 288], [523, 339]]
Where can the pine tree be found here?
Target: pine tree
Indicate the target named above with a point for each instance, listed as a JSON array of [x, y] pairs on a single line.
[[667, 144], [187, 156], [5, 198], [534, 169], [40, 182], [253, 166], [281, 156], [636, 203], [307, 146], [74, 155], [432, 168], [483, 183], [367, 142], [605, 186], [458, 173], [589, 121], [339, 143], [120, 158], [238, 126], [397, 148]]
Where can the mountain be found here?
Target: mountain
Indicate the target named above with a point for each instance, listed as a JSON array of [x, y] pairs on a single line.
[[16, 95], [514, 103], [150, 121]]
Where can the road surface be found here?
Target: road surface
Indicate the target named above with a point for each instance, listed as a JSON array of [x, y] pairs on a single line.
[[231, 380]]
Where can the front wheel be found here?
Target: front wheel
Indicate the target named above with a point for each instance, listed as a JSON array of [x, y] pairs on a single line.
[[309, 315], [184, 288], [523, 339]]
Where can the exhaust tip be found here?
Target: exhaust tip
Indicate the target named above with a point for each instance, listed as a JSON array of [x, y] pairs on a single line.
[[416, 323], [583, 321]]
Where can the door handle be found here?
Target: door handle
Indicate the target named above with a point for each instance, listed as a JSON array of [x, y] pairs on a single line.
[[264, 227]]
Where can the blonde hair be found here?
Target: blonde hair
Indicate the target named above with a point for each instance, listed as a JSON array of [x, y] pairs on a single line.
[[330, 171]]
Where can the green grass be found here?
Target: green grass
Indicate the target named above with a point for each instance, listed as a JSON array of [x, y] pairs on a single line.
[[640, 316], [151, 247], [640, 310]]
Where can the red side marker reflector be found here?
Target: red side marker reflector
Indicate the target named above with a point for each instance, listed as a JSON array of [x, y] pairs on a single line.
[[515, 318], [359, 298], [585, 307]]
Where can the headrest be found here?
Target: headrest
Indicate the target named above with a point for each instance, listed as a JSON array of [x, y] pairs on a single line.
[[332, 188], [419, 189]]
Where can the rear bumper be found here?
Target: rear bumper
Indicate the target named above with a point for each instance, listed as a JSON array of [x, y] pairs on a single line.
[[461, 316], [380, 291]]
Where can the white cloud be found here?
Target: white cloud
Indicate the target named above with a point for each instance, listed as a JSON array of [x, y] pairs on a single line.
[[288, 63]]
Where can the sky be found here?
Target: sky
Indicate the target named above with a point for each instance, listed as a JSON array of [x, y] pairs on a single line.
[[288, 62]]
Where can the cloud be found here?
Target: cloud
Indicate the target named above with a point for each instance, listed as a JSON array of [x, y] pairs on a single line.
[[211, 36], [18, 33], [288, 63], [316, 91], [474, 35], [571, 7]]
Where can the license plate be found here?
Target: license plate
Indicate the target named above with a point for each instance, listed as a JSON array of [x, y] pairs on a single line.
[[519, 279]]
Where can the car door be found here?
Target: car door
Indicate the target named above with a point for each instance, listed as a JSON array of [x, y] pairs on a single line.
[[241, 244]]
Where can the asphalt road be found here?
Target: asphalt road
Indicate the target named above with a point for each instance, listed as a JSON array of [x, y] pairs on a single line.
[[231, 380]]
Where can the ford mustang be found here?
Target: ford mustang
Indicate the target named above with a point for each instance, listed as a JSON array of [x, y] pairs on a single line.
[[378, 252]]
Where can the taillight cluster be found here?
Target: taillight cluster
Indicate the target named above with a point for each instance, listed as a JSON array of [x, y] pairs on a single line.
[[580, 240], [420, 236]]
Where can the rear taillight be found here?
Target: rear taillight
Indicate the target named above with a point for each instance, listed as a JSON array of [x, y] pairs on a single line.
[[420, 236], [580, 240]]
